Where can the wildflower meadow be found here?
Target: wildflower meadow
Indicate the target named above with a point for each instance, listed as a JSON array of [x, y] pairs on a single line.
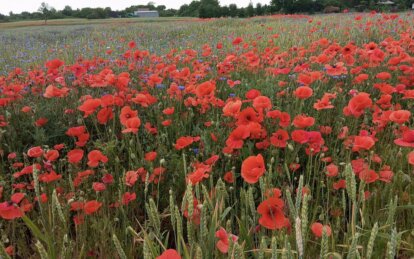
[[285, 136]]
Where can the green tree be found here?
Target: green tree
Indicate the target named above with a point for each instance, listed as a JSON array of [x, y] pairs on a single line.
[[233, 11], [250, 10], [241, 12], [67, 11], [191, 10], [45, 10], [209, 9], [225, 11], [259, 9]]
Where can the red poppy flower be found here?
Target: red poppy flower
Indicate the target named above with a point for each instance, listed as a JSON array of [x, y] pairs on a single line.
[[358, 104], [223, 243], [49, 177], [198, 175], [400, 116], [35, 152], [232, 108], [196, 212], [253, 168], [107, 179], [9, 250], [168, 111], [252, 93], [383, 75], [76, 131], [237, 41], [41, 122], [237, 137], [51, 155], [26, 109], [300, 136], [10, 211], [362, 143], [169, 254], [150, 156], [205, 89], [303, 121], [104, 115], [386, 175], [98, 187], [130, 178], [410, 158], [247, 116], [229, 177], [128, 197], [132, 44], [59, 146], [91, 207], [126, 114], [132, 125], [75, 156], [303, 92], [279, 138], [368, 176], [183, 142], [272, 216], [341, 184], [332, 170], [89, 106], [94, 157], [262, 102], [52, 91], [317, 229], [407, 139]]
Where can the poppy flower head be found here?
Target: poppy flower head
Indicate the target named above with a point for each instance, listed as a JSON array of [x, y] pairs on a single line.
[[407, 139], [303, 92], [91, 207], [363, 143], [253, 168], [400, 116], [96, 156], [169, 254], [205, 89], [272, 216], [261, 103], [358, 104], [35, 152], [223, 243], [317, 229], [232, 108], [279, 138], [410, 158]]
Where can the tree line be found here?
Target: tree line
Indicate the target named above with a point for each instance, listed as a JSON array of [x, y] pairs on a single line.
[[205, 9]]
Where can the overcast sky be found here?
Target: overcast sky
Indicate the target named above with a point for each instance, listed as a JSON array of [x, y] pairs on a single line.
[[18, 6]]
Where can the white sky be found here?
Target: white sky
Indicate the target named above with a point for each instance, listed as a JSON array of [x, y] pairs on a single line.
[[18, 6]]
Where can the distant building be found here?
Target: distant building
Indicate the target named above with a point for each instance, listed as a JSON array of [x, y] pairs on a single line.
[[145, 12], [386, 2]]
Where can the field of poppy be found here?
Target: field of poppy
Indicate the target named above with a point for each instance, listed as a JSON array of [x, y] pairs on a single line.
[[287, 136]]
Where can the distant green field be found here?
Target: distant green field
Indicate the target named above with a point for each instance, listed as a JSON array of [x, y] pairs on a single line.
[[60, 22]]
